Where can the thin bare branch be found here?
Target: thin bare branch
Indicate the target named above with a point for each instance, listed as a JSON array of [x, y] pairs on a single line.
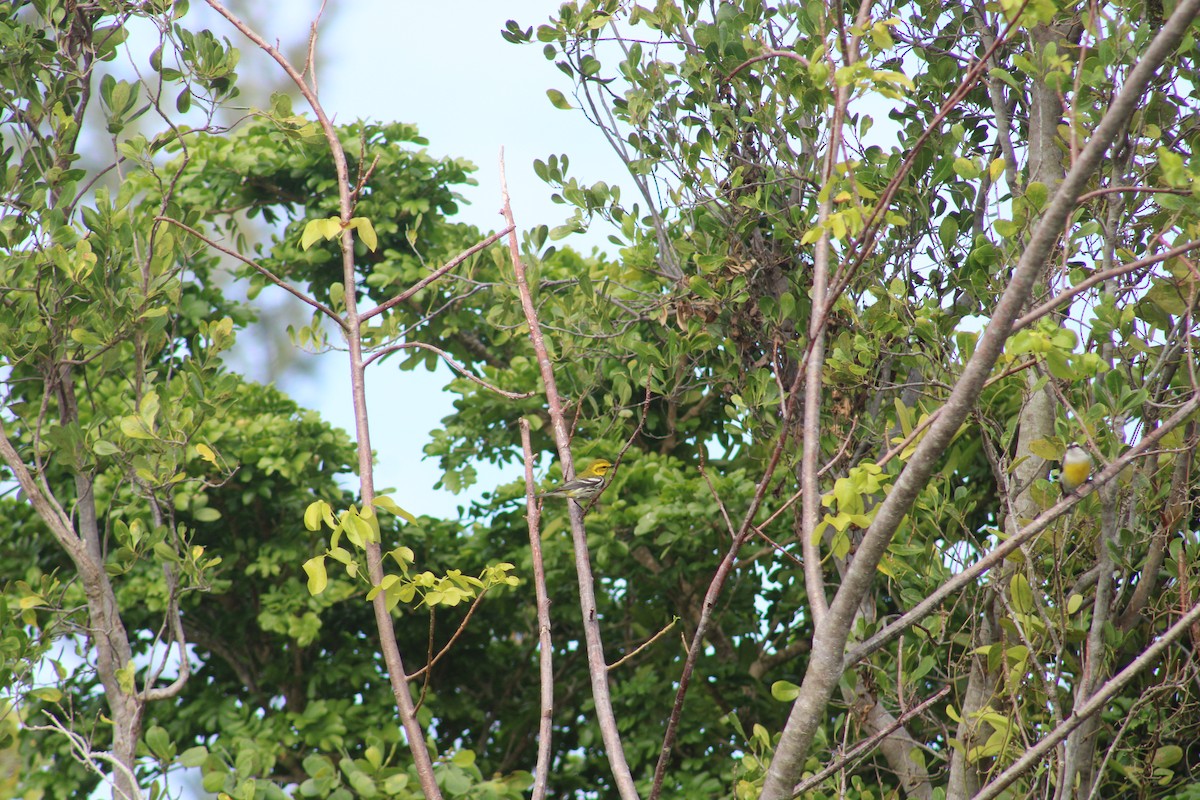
[[462, 627], [1097, 703], [437, 273], [541, 772], [1097, 278], [867, 745], [451, 362], [631, 654], [1027, 533], [594, 646], [261, 270]]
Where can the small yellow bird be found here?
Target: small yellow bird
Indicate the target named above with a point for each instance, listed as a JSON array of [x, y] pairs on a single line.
[[1076, 468], [586, 485]]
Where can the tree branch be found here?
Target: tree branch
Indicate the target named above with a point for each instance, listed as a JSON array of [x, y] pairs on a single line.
[[1097, 703], [597, 668], [825, 665], [266, 273]]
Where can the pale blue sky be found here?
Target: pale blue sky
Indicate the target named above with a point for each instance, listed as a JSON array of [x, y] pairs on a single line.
[[444, 67]]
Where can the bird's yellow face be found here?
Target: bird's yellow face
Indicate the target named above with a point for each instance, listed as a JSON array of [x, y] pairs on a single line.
[[597, 469]]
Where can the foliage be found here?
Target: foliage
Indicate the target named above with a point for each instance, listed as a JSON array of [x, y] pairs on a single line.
[[112, 327], [727, 113], [822, 231]]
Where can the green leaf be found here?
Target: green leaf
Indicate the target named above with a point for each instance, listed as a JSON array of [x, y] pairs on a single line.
[[1022, 594], [159, 742], [389, 505], [318, 579], [1059, 365], [948, 232], [785, 691], [366, 232], [558, 100], [194, 757], [135, 428], [1168, 756], [395, 784], [1037, 193], [206, 514]]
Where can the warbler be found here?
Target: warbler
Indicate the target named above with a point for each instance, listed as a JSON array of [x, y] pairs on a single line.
[[1076, 468], [585, 485]]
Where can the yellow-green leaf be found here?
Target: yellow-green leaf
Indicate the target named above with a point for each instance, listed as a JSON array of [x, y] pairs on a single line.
[[313, 515], [30, 601], [403, 556], [311, 234], [557, 99], [966, 168], [785, 691], [135, 428], [318, 229], [48, 694], [389, 505], [366, 232], [1074, 603], [318, 579]]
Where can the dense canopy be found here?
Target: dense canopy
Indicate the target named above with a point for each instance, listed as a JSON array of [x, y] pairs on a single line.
[[884, 262]]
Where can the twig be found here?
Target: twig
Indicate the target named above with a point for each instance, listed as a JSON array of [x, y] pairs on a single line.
[[1101, 277], [453, 365], [1086, 196], [1095, 704], [266, 273], [869, 744], [713, 491], [462, 626], [644, 644], [764, 56], [85, 755], [545, 646], [437, 273], [594, 646], [429, 662], [310, 64]]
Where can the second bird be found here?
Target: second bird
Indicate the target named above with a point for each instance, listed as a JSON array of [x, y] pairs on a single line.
[[1076, 468]]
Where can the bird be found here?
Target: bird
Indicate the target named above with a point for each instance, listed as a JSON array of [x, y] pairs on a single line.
[[585, 485], [1076, 468]]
